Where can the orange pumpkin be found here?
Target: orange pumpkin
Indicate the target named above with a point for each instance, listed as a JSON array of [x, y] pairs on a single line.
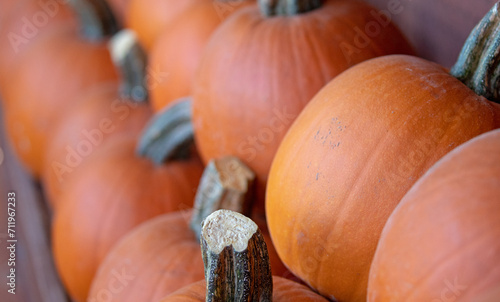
[[442, 240], [260, 69], [105, 111], [179, 48], [355, 151], [53, 72], [113, 191], [22, 24], [148, 18]]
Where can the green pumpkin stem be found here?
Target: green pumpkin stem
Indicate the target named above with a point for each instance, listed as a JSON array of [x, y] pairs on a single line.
[[169, 135], [236, 259], [288, 7], [96, 18], [131, 60], [226, 183], [478, 63]]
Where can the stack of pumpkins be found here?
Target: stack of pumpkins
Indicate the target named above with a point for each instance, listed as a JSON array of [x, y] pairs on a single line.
[[373, 174]]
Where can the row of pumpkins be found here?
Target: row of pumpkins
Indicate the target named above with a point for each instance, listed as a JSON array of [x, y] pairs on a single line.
[[383, 188]]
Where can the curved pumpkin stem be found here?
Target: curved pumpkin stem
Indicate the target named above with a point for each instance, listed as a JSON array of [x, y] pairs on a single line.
[[169, 135], [236, 259], [131, 60], [96, 18], [478, 63], [226, 183], [288, 7]]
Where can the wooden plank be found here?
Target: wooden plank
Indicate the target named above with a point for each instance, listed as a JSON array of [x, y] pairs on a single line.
[[437, 28], [36, 277]]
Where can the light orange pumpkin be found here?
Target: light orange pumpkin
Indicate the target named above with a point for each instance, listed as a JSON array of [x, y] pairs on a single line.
[[263, 65], [359, 146], [442, 240]]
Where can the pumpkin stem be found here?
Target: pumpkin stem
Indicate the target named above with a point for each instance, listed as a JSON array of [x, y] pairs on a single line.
[[288, 7], [236, 259], [96, 18], [478, 63], [226, 183], [131, 60], [169, 134]]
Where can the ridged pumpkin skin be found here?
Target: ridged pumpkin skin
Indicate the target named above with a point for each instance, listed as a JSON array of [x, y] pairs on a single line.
[[179, 49], [148, 18], [99, 115], [258, 73], [113, 192], [166, 251], [53, 73], [350, 157], [283, 290], [442, 240]]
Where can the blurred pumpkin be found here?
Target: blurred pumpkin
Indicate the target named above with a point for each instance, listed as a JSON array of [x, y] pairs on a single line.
[[180, 46], [52, 74], [24, 22], [148, 18], [107, 110], [113, 191]]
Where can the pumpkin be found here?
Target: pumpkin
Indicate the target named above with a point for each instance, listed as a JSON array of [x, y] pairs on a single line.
[[167, 248], [237, 266], [260, 69], [113, 191], [179, 48], [36, 98], [354, 152], [148, 18], [22, 24], [441, 241], [107, 110]]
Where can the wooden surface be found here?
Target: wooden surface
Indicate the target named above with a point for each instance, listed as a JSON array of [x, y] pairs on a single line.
[[437, 28]]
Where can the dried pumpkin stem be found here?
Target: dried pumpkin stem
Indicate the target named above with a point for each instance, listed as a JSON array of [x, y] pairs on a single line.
[[236, 260], [169, 135], [226, 183], [131, 60], [288, 7], [96, 18], [478, 63]]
